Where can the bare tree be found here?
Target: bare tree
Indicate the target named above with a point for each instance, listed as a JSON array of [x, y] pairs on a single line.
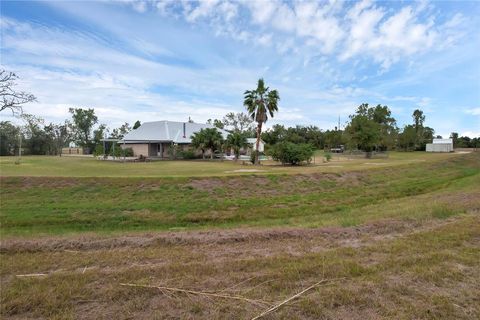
[[11, 99]]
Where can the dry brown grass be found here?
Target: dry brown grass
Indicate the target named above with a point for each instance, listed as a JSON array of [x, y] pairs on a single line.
[[393, 269]]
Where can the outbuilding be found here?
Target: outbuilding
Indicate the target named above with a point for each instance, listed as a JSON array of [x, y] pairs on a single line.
[[440, 145]]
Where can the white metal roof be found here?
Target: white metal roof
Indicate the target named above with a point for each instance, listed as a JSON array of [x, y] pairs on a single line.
[[435, 141], [167, 131], [253, 140]]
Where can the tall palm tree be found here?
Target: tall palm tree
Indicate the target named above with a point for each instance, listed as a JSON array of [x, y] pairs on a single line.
[[260, 103]]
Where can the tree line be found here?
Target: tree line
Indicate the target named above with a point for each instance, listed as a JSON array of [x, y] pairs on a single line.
[[36, 137], [368, 129]]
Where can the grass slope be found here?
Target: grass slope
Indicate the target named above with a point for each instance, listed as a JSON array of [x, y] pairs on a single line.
[[32, 206]]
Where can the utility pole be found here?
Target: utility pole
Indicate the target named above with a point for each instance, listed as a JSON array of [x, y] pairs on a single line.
[[20, 147], [104, 148]]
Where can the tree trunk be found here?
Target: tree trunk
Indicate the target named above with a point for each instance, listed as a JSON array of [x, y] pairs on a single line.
[[259, 132], [211, 154]]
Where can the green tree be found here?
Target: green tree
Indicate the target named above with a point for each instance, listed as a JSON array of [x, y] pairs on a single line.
[[423, 134], [407, 138], [274, 135], [36, 141], [363, 131], [9, 138], [418, 119], [236, 140], [98, 135], [260, 103], [59, 136], [216, 123], [292, 153], [388, 126], [464, 142], [454, 137], [208, 138], [136, 125], [120, 132], [83, 122], [238, 122], [333, 139], [198, 142]]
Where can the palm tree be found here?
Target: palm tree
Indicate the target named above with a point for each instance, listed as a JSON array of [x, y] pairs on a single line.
[[198, 142], [260, 103], [208, 138], [236, 140], [213, 139]]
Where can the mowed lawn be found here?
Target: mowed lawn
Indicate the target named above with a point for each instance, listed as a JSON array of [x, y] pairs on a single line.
[[393, 238], [68, 166]]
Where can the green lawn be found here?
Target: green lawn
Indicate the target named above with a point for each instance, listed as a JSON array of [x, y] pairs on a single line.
[[89, 167]]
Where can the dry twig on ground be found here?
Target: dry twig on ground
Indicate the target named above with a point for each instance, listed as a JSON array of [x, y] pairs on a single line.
[[275, 307], [208, 294]]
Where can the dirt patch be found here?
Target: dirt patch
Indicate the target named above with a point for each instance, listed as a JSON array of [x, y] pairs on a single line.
[[244, 170], [38, 182], [271, 186]]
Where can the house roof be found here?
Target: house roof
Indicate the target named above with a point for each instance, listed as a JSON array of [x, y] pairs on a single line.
[[442, 141], [167, 131]]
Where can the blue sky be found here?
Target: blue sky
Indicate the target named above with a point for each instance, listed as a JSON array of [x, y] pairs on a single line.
[[154, 60]]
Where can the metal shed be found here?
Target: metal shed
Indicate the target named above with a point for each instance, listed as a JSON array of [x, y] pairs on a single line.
[[440, 145]]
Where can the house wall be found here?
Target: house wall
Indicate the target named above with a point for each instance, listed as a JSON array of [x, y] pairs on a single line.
[[439, 147], [151, 149], [138, 148]]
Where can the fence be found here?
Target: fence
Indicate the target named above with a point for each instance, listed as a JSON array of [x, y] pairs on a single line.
[[357, 154]]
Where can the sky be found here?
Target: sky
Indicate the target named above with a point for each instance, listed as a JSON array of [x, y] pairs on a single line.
[[171, 60]]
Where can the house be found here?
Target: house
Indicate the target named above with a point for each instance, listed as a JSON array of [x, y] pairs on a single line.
[[158, 138], [440, 145]]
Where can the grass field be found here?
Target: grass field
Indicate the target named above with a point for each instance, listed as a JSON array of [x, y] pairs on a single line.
[[396, 238], [89, 167]]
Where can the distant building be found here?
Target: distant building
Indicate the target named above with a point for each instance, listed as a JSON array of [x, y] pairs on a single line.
[[440, 145], [252, 144], [157, 138]]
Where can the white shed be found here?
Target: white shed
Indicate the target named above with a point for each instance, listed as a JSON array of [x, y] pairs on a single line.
[[440, 145]]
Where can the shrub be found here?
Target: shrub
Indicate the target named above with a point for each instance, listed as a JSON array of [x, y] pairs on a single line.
[[128, 152], [328, 156], [119, 152], [188, 154], [98, 150], [252, 156], [291, 153]]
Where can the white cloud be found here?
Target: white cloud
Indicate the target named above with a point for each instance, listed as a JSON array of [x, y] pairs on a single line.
[[470, 134], [261, 11], [204, 9], [264, 40], [473, 111], [363, 29]]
